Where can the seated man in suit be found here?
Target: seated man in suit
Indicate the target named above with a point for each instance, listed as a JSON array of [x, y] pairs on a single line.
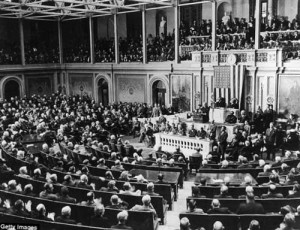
[[185, 224], [150, 190], [47, 193], [215, 155], [223, 192], [266, 172], [147, 206], [128, 190], [231, 118], [122, 218], [218, 225], [202, 133], [117, 203], [65, 216], [278, 162], [64, 195], [250, 207], [295, 193], [192, 131], [272, 193], [248, 190], [217, 209], [98, 220], [83, 183], [192, 207], [111, 187]]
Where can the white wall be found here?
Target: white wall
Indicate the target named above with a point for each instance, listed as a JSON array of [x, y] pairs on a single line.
[[105, 26], [241, 9], [287, 8]]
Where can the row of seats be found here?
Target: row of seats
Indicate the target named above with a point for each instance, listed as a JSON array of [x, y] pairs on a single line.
[[211, 191], [270, 205], [137, 219]]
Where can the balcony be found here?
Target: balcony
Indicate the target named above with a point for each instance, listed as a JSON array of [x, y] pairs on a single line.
[[261, 57]]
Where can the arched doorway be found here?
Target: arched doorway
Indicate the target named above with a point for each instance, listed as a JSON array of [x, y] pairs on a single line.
[[11, 89], [103, 91], [223, 8], [158, 92]]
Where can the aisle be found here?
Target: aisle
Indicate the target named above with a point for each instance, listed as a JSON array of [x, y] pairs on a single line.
[[179, 206], [172, 222]]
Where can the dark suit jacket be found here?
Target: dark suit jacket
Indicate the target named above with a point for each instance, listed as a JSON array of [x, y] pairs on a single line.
[[223, 138], [250, 208], [222, 210], [271, 136], [98, 221]]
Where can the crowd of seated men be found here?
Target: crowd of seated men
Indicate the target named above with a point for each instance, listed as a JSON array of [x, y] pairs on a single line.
[[9, 53], [75, 121], [159, 48], [235, 33], [41, 53]]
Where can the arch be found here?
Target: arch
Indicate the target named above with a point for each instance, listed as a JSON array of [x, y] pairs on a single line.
[[6, 80], [103, 91], [103, 78], [165, 82], [224, 7], [158, 92]]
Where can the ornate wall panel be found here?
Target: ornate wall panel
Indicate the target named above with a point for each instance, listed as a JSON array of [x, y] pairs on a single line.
[[81, 84], [289, 94], [131, 88], [40, 85]]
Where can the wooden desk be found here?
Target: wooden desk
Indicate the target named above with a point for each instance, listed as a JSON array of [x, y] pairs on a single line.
[[235, 178], [169, 177], [187, 145]]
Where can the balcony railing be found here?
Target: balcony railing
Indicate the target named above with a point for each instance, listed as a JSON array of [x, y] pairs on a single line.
[[266, 57]]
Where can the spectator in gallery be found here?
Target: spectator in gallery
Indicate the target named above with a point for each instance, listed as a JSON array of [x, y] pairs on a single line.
[[218, 225], [98, 219]]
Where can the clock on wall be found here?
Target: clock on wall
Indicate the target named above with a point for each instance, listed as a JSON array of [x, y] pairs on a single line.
[[231, 59]]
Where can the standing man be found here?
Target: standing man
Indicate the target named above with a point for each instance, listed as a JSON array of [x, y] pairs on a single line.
[[222, 142], [268, 115], [271, 139]]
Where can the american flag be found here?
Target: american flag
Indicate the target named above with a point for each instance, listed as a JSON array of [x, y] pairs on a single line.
[[228, 82]]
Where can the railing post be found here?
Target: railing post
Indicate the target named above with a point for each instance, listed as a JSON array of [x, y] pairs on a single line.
[[214, 24], [176, 27], [257, 23], [117, 55], [22, 45], [92, 40], [144, 33], [60, 42]]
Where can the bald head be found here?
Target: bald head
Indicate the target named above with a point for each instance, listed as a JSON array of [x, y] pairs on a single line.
[[218, 225]]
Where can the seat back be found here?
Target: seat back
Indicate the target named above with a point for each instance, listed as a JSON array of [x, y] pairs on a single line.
[[195, 162], [230, 221], [45, 225], [265, 221]]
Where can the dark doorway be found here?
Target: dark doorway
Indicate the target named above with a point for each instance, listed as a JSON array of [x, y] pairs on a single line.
[[158, 92], [103, 92], [11, 89]]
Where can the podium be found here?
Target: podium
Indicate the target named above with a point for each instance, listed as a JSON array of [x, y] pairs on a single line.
[[219, 114]]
